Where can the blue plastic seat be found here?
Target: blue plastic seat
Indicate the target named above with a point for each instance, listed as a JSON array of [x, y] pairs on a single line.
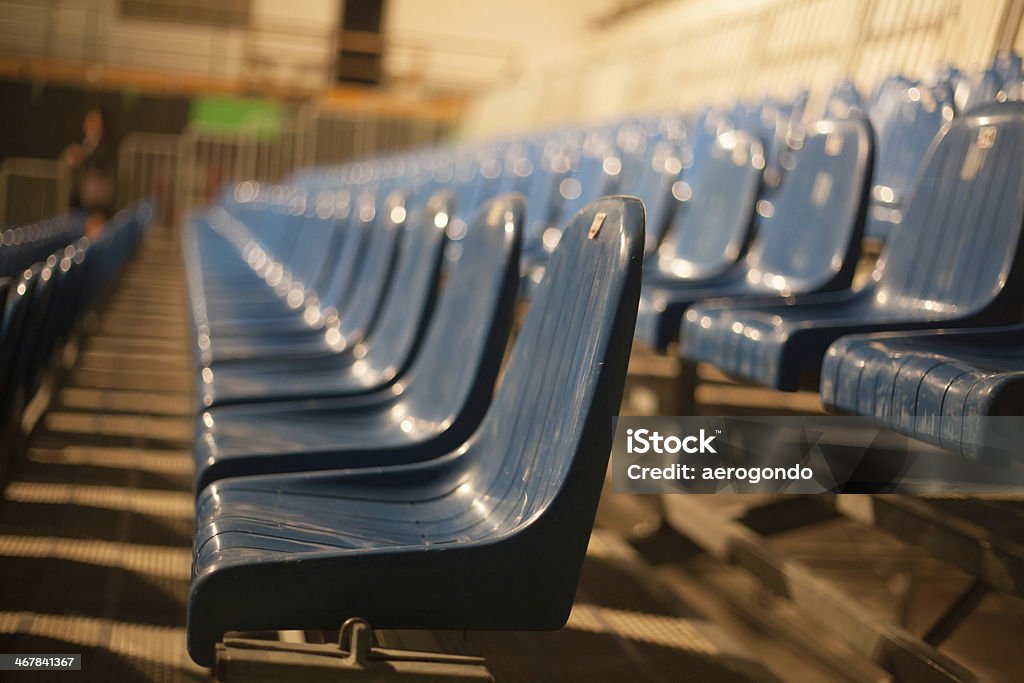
[[807, 236], [1007, 65], [954, 261], [936, 386], [250, 227], [546, 166], [779, 148], [977, 89], [660, 168], [843, 100], [712, 233], [906, 120], [249, 298], [360, 367], [18, 302], [441, 398], [594, 171], [22, 246], [665, 186], [1013, 91], [301, 330], [943, 75], [45, 304], [490, 536]]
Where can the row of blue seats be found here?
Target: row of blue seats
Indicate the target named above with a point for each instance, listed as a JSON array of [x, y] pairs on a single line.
[[56, 277], [350, 327], [324, 344], [442, 502], [22, 246], [952, 260]]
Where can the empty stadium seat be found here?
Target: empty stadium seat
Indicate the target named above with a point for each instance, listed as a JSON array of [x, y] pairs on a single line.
[[439, 402], [22, 246], [16, 311], [977, 89], [906, 120], [843, 100], [955, 260], [944, 75], [44, 304], [807, 236], [712, 233], [307, 264], [936, 386], [593, 172], [491, 536], [661, 164], [359, 365], [1007, 65], [779, 148], [300, 329]]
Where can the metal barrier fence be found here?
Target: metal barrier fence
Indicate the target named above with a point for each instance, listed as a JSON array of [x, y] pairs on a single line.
[[208, 160], [148, 166], [186, 171], [332, 136], [32, 189]]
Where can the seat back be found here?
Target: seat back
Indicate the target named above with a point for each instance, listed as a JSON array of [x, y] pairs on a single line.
[[336, 296], [7, 284], [467, 184], [12, 333], [633, 146], [334, 207], [314, 238], [544, 175], [943, 75], [487, 181], [376, 267], [542, 451], [594, 174], [959, 245], [29, 352], [454, 372], [22, 246], [410, 299], [976, 89], [653, 180], [1013, 91], [808, 235], [1007, 65], [760, 119], [905, 123], [720, 193], [788, 117], [844, 100]]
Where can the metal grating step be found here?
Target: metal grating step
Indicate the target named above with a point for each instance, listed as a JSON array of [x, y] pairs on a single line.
[[161, 381], [135, 402], [132, 427]]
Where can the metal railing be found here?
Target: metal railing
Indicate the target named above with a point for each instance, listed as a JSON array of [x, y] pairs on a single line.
[[95, 35], [32, 189], [187, 170], [148, 166], [267, 52], [332, 136]]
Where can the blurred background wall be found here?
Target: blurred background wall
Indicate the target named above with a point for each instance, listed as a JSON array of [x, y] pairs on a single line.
[[638, 55], [199, 92]]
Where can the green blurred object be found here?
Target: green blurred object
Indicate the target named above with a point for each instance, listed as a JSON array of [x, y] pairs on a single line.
[[231, 114]]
